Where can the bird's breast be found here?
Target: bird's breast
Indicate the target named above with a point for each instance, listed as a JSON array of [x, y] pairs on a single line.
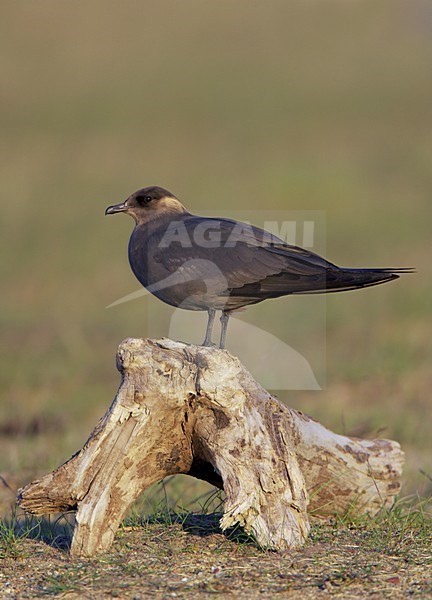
[[172, 282]]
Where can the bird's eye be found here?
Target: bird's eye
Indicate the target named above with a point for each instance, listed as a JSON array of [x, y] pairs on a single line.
[[143, 200]]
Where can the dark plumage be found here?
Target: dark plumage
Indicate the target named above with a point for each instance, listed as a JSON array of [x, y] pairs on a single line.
[[199, 263]]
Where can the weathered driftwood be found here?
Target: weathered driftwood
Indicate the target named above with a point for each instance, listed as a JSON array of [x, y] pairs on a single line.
[[194, 410]]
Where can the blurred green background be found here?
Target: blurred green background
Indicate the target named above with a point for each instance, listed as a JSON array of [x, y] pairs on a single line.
[[232, 105]]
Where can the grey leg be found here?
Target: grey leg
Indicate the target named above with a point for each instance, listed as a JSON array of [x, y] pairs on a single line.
[[211, 318], [224, 320]]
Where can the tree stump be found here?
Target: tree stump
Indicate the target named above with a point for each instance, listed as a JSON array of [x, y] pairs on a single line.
[[195, 410]]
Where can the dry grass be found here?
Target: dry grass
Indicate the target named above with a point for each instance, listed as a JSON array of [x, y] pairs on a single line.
[[186, 556]]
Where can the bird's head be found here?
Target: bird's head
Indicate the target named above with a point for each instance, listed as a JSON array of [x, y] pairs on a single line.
[[147, 204]]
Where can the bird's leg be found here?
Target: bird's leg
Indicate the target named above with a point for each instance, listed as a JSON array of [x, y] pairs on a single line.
[[211, 318], [224, 321]]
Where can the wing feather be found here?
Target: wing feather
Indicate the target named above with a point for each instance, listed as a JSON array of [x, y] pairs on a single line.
[[249, 264]]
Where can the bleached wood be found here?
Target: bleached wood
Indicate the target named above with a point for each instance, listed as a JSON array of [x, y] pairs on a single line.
[[194, 410]]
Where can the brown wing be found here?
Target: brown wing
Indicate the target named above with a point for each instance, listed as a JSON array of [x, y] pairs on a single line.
[[249, 264]]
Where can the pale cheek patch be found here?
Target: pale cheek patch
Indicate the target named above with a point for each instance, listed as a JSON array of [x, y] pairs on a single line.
[[169, 205]]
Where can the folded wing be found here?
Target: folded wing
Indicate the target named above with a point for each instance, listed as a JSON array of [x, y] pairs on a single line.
[[251, 264]]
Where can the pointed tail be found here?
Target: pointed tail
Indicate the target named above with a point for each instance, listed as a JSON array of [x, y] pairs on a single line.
[[340, 279], [353, 279]]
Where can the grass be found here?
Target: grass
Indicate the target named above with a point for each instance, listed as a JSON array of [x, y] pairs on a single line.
[[11, 543], [184, 554], [15, 530]]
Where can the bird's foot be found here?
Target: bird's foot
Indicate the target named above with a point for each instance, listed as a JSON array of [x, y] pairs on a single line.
[[209, 344]]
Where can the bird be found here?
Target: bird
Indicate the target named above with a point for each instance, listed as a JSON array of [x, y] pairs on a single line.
[[218, 264]]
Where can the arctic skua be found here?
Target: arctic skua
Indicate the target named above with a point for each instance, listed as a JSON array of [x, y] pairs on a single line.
[[217, 264]]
